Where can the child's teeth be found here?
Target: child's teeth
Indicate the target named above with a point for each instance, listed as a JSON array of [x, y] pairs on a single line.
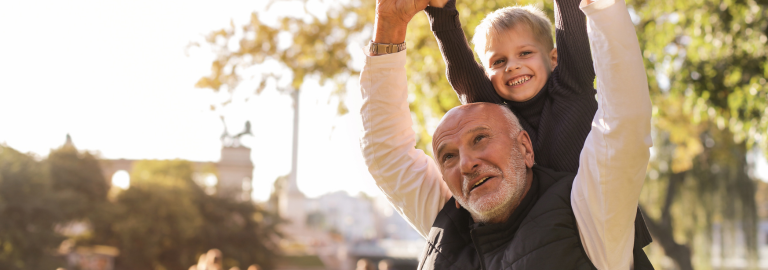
[[520, 80]]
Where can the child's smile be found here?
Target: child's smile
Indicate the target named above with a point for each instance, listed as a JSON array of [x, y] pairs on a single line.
[[519, 80]]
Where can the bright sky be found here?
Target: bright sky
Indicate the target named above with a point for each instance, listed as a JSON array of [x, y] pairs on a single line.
[[115, 76]]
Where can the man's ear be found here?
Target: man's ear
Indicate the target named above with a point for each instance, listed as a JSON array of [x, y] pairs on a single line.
[[526, 148], [553, 58]]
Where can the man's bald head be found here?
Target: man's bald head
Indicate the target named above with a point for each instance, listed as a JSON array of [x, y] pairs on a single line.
[[485, 109], [485, 158]]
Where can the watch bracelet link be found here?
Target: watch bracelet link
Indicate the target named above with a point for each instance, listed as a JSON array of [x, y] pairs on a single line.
[[386, 48]]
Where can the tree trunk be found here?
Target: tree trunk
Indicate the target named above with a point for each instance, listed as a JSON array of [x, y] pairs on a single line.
[[662, 230]]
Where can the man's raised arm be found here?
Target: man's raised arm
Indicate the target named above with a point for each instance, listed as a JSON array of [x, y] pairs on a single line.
[[615, 156], [408, 177]]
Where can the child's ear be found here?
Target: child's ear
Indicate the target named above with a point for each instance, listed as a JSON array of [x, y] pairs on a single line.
[[553, 58]]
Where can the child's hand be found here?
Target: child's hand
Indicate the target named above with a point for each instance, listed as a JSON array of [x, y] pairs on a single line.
[[437, 3]]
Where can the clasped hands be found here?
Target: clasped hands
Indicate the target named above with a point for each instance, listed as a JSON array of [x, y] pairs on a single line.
[[392, 17]]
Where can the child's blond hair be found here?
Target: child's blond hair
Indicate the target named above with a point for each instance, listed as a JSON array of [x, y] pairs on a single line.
[[507, 18]]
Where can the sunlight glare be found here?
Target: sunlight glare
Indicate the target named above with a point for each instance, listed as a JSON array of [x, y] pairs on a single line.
[[121, 179]]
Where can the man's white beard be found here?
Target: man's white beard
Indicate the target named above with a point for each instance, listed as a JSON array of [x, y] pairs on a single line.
[[511, 190]]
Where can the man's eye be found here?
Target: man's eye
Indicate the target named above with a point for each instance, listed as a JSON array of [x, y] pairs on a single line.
[[500, 61], [479, 137], [447, 156]]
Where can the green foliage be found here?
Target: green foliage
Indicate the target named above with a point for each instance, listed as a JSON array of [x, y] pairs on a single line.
[[78, 181], [318, 46], [706, 61], [714, 56], [28, 213], [165, 221]]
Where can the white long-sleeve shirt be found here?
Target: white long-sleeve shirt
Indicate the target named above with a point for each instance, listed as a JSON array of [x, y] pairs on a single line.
[[612, 164]]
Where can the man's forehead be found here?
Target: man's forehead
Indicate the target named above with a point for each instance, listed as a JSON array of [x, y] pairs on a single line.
[[467, 117]]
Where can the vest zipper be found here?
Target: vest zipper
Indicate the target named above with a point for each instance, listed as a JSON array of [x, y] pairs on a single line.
[[477, 249]]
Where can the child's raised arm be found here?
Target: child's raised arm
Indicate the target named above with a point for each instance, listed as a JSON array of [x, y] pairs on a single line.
[[575, 72], [464, 74]]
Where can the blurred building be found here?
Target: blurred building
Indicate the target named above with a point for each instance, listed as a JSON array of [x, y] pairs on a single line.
[[91, 258], [339, 229], [233, 172]]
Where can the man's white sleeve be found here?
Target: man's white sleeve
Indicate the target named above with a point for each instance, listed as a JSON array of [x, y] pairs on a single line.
[[407, 176], [613, 162]]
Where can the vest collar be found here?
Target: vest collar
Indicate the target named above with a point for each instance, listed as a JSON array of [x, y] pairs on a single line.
[[460, 219], [488, 237]]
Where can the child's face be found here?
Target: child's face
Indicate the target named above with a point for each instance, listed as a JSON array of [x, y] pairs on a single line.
[[517, 64]]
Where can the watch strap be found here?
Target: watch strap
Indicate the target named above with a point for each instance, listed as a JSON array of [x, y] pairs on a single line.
[[385, 48]]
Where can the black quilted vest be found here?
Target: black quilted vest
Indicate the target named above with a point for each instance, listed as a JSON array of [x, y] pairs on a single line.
[[542, 234]]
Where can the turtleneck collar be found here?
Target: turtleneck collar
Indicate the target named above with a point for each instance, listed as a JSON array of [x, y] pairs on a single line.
[[530, 110]]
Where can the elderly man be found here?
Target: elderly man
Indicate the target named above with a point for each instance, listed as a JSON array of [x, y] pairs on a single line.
[[482, 203]]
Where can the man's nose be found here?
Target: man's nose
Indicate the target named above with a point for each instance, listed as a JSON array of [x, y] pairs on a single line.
[[469, 163]]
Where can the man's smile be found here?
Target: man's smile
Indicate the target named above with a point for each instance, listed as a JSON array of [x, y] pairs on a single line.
[[480, 181]]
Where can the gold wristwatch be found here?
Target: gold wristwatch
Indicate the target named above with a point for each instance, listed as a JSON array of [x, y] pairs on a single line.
[[384, 48]]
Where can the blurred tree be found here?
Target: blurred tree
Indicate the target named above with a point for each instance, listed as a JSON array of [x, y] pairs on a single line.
[[165, 221], [712, 55], [682, 208], [707, 64], [81, 189], [28, 213], [706, 61], [77, 172]]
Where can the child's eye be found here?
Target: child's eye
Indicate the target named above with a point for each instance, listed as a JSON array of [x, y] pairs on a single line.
[[525, 53], [497, 62]]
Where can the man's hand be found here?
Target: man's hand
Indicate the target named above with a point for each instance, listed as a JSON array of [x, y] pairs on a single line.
[[399, 11], [392, 17]]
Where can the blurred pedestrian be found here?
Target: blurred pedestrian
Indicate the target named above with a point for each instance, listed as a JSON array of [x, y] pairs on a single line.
[[213, 260], [364, 264], [200, 263], [385, 265]]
